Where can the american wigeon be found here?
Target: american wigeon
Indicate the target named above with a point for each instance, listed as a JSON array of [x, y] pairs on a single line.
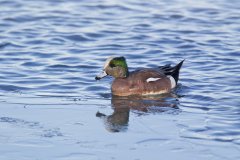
[[139, 82]]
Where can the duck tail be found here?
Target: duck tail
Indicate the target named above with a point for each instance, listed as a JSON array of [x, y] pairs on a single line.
[[175, 71]]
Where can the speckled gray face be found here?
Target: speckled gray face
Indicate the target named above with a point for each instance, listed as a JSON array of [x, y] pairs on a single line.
[[103, 73]]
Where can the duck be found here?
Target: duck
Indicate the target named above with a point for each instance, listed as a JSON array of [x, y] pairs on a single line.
[[144, 81]]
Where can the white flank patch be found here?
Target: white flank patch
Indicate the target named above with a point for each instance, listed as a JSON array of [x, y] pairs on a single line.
[[108, 61], [152, 79], [173, 82], [155, 93]]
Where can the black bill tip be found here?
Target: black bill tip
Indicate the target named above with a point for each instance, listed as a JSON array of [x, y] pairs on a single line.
[[97, 78]]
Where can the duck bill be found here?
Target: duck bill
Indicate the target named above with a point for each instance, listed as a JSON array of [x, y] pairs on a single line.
[[101, 75]]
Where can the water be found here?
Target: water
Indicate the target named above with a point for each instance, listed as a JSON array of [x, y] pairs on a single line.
[[52, 108]]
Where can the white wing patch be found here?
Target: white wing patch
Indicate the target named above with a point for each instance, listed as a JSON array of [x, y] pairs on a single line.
[[173, 82], [152, 79]]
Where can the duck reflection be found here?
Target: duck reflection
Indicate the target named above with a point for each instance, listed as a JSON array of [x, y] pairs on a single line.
[[118, 120]]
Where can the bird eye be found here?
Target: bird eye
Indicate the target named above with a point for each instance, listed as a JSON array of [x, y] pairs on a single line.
[[112, 65]]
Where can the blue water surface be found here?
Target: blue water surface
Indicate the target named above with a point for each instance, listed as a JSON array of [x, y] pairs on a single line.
[[52, 108]]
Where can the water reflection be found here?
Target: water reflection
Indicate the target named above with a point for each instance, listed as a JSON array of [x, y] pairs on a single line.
[[118, 120]]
